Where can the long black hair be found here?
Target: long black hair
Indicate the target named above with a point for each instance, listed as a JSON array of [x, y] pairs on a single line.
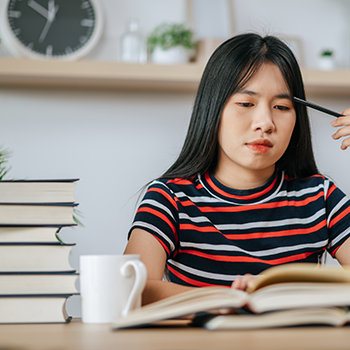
[[230, 67]]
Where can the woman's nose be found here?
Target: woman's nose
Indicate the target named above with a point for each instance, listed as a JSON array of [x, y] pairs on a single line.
[[263, 120]]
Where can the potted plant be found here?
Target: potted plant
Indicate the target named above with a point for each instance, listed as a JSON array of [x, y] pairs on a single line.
[[171, 43], [326, 60]]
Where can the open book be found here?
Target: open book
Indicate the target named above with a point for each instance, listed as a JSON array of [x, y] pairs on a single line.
[[331, 316], [284, 287]]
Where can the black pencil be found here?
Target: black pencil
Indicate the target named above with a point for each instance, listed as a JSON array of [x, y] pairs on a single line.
[[319, 108]]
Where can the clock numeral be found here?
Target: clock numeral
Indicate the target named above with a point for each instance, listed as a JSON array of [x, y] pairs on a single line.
[[68, 50], [30, 46], [17, 31], [87, 22], [49, 51], [85, 5], [83, 39], [15, 14]]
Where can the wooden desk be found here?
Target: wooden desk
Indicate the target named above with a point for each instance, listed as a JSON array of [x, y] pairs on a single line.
[[76, 335]]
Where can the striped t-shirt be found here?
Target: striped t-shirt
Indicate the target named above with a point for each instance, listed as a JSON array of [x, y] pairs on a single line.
[[212, 233]]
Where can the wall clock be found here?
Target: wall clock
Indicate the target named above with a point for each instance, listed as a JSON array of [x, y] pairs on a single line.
[[51, 29]]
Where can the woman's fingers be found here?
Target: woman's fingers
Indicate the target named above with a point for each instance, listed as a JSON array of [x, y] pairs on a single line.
[[242, 282], [236, 284], [344, 131]]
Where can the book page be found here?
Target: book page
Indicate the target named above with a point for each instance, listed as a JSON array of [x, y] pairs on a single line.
[[300, 273], [195, 294], [299, 295], [309, 316], [185, 304]]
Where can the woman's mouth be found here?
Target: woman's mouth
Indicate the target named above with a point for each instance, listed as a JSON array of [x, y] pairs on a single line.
[[260, 146]]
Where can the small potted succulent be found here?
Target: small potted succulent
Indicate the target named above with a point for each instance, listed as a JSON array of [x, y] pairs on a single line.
[[171, 44], [326, 60]]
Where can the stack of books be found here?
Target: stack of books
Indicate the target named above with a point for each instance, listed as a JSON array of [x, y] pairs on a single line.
[[36, 278]]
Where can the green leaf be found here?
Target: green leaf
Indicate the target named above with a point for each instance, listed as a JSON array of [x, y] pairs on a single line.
[[77, 213], [5, 154], [168, 35], [327, 53], [59, 239]]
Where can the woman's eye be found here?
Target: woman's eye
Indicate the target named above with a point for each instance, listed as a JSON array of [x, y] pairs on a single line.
[[245, 104], [282, 108]]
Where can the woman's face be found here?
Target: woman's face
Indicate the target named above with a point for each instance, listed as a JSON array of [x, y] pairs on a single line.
[[255, 129]]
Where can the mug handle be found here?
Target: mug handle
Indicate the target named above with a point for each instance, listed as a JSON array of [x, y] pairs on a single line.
[[140, 282]]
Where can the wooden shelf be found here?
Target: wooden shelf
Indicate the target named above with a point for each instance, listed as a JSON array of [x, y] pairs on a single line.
[[98, 75], [116, 75], [335, 82]]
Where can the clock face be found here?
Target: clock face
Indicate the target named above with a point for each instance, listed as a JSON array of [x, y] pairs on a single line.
[[53, 28]]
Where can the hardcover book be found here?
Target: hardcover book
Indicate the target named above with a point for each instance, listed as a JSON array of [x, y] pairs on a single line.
[[37, 191], [53, 257], [33, 309]]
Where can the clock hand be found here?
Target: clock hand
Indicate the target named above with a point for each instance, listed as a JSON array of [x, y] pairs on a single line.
[[38, 8], [51, 17]]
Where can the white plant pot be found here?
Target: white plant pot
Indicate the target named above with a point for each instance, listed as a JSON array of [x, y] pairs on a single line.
[[174, 55], [326, 63]]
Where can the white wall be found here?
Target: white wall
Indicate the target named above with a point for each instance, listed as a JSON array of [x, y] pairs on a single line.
[[320, 24], [116, 141]]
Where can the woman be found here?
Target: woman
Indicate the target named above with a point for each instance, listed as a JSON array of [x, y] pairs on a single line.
[[245, 193]]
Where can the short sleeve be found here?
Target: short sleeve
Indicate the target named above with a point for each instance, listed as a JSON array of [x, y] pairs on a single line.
[[158, 215], [338, 217]]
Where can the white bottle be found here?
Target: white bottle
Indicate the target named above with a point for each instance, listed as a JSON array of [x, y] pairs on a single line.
[[131, 43]]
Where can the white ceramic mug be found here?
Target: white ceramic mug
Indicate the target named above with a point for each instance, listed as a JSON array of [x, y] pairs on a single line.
[[110, 286]]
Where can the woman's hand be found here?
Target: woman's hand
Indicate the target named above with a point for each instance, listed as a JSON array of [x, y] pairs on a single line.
[[344, 123], [243, 282]]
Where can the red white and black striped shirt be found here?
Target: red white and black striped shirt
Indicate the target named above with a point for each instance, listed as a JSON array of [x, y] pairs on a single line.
[[212, 233]]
